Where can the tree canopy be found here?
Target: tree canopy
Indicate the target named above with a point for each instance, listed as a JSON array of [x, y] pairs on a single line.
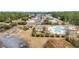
[[72, 17], [12, 15]]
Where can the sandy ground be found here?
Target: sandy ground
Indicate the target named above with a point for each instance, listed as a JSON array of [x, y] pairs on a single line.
[[35, 42]]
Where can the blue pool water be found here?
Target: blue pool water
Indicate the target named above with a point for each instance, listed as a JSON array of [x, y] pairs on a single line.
[[58, 29]]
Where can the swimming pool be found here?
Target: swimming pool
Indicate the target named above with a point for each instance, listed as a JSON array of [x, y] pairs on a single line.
[[59, 29]]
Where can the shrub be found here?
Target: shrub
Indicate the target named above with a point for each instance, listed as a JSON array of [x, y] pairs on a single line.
[[33, 34], [63, 23], [2, 20], [7, 26], [13, 24], [42, 35], [33, 30], [46, 34], [8, 21], [22, 23], [1, 26], [55, 24], [57, 35], [52, 35], [63, 36], [37, 35], [25, 18], [25, 28]]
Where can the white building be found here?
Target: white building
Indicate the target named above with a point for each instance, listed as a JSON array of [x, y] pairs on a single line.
[[53, 20], [31, 22]]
